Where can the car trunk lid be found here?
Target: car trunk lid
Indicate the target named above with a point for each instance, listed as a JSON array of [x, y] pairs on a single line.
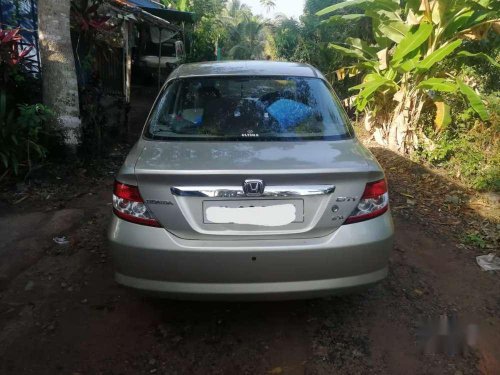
[[316, 183]]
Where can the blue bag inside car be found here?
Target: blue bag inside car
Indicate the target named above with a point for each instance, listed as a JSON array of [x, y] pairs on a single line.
[[289, 112]]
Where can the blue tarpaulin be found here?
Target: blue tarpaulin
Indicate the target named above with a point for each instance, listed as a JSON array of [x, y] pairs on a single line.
[[162, 12], [289, 113], [146, 4]]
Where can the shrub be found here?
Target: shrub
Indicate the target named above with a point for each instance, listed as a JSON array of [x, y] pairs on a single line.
[[25, 130], [25, 134]]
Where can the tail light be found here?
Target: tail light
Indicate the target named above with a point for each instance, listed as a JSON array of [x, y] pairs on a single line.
[[129, 205], [373, 203]]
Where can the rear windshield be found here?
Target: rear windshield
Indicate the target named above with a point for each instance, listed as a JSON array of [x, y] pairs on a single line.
[[248, 108]]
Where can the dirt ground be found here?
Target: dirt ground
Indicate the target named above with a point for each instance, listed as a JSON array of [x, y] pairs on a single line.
[[62, 313]]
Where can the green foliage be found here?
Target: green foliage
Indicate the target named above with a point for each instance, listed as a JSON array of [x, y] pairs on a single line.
[[247, 39], [230, 26], [309, 40], [468, 149], [24, 135], [475, 239], [403, 67], [24, 129], [474, 99], [208, 30], [180, 5], [287, 37]]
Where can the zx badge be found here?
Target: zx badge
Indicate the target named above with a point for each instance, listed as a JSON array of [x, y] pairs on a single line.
[[347, 199]]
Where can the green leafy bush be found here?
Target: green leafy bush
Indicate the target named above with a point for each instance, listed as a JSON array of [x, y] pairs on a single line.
[[25, 135], [402, 68], [26, 130], [473, 155]]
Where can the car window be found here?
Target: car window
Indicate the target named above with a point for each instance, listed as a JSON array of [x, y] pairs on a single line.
[[248, 108]]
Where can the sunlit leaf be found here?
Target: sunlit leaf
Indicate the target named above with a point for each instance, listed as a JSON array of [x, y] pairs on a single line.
[[457, 22], [368, 88], [343, 17], [341, 74], [412, 41], [182, 5], [382, 40], [409, 63], [362, 46], [382, 58], [394, 30], [412, 19], [438, 84], [438, 10], [443, 115], [438, 55], [342, 5], [352, 52], [363, 4]]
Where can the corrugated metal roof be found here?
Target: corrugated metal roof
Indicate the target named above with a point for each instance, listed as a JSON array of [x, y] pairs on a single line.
[[156, 9], [173, 15], [143, 15]]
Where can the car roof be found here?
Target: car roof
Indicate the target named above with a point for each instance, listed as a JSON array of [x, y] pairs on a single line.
[[246, 68]]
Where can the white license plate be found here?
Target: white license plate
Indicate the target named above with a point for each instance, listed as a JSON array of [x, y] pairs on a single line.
[[258, 213]]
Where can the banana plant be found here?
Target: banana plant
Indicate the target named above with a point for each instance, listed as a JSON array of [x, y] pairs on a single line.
[[401, 69]]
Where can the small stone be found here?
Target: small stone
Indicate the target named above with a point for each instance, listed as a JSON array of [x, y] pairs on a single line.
[[177, 339], [29, 286], [64, 285], [492, 198], [357, 353], [84, 300], [276, 371], [152, 371], [453, 199], [21, 187]]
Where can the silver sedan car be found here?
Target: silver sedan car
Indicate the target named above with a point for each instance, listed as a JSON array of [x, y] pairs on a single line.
[[249, 183]]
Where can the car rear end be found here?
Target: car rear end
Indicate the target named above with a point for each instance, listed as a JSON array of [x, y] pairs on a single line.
[[248, 203]]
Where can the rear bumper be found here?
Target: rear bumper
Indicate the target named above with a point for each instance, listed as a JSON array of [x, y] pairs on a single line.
[[153, 260]]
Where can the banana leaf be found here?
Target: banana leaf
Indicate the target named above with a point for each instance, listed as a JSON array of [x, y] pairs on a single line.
[[480, 55], [474, 100], [412, 41], [438, 84], [443, 115], [438, 55]]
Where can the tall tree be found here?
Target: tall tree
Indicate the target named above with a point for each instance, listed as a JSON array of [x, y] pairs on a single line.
[[60, 85], [268, 4], [249, 39]]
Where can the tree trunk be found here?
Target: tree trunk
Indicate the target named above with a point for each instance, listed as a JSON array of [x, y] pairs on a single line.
[[399, 132], [60, 85]]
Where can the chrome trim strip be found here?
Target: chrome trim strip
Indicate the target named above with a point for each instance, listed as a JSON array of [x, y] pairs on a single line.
[[237, 192]]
